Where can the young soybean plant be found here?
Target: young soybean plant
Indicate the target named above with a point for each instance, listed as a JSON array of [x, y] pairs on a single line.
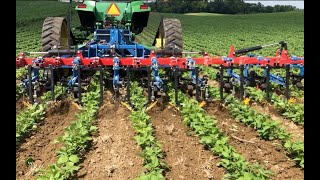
[[151, 148], [206, 128], [75, 139]]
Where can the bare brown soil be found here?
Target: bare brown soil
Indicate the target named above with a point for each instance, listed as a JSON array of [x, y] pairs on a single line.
[[297, 131], [300, 101], [39, 145], [19, 105], [114, 153], [184, 154], [246, 141]]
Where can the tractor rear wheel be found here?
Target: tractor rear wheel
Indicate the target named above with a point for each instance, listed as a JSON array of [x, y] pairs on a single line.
[[55, 32], [170, 31]]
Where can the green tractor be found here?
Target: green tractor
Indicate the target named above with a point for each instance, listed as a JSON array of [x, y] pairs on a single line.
[[131, 16], [108, 30]]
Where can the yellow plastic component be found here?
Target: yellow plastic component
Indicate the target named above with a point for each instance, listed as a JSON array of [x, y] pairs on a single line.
[[113, 10], [26, 103], [76, 105], [246, 101], [177, 108], [158, 42], [151, 106], [202, 104], [126, 105], [292, 100]]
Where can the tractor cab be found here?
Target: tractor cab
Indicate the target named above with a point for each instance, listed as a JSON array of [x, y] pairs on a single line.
[[132, 15], [114, 25]]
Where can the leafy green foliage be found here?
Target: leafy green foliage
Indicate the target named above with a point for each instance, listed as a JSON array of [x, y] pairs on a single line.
[[151, 148], [265, 126], [19, 91], [63, 169], [213, 35], [206, 128], [251, 30], [297, 93], [296, 150], [29, 19], [58, 93], [27, 120], [266, 129], [20, 73], [32, 11], [76, 137], [256, 94], [292, 111]]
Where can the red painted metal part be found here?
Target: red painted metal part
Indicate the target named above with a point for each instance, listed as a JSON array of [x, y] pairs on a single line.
[[278, 60]]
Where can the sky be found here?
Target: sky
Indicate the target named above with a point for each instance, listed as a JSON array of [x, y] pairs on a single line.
[[298, 3]]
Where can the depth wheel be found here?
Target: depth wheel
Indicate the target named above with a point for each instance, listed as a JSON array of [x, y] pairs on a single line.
[[54, 32], [169, 35]]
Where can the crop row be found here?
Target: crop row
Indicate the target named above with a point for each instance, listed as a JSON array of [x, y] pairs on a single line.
[[75, 139], [206, 128], [77, 135], [27, 119], [151, 148], [288, 109], [265, 126]]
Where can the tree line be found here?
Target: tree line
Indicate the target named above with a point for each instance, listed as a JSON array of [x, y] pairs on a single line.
[[216, 6]]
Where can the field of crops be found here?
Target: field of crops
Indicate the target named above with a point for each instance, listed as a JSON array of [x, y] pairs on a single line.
[[215, 33], [231, 139], [29, 18]]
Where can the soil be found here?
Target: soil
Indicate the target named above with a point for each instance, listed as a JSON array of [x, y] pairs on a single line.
[[300, 101], [184, 154], [39, 145], [297, 131], [213, 83], [246, 141], [114, 153], [19, 105]]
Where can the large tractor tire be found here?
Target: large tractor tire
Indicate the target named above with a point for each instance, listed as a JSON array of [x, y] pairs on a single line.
[[170, 33], [55, 32]]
